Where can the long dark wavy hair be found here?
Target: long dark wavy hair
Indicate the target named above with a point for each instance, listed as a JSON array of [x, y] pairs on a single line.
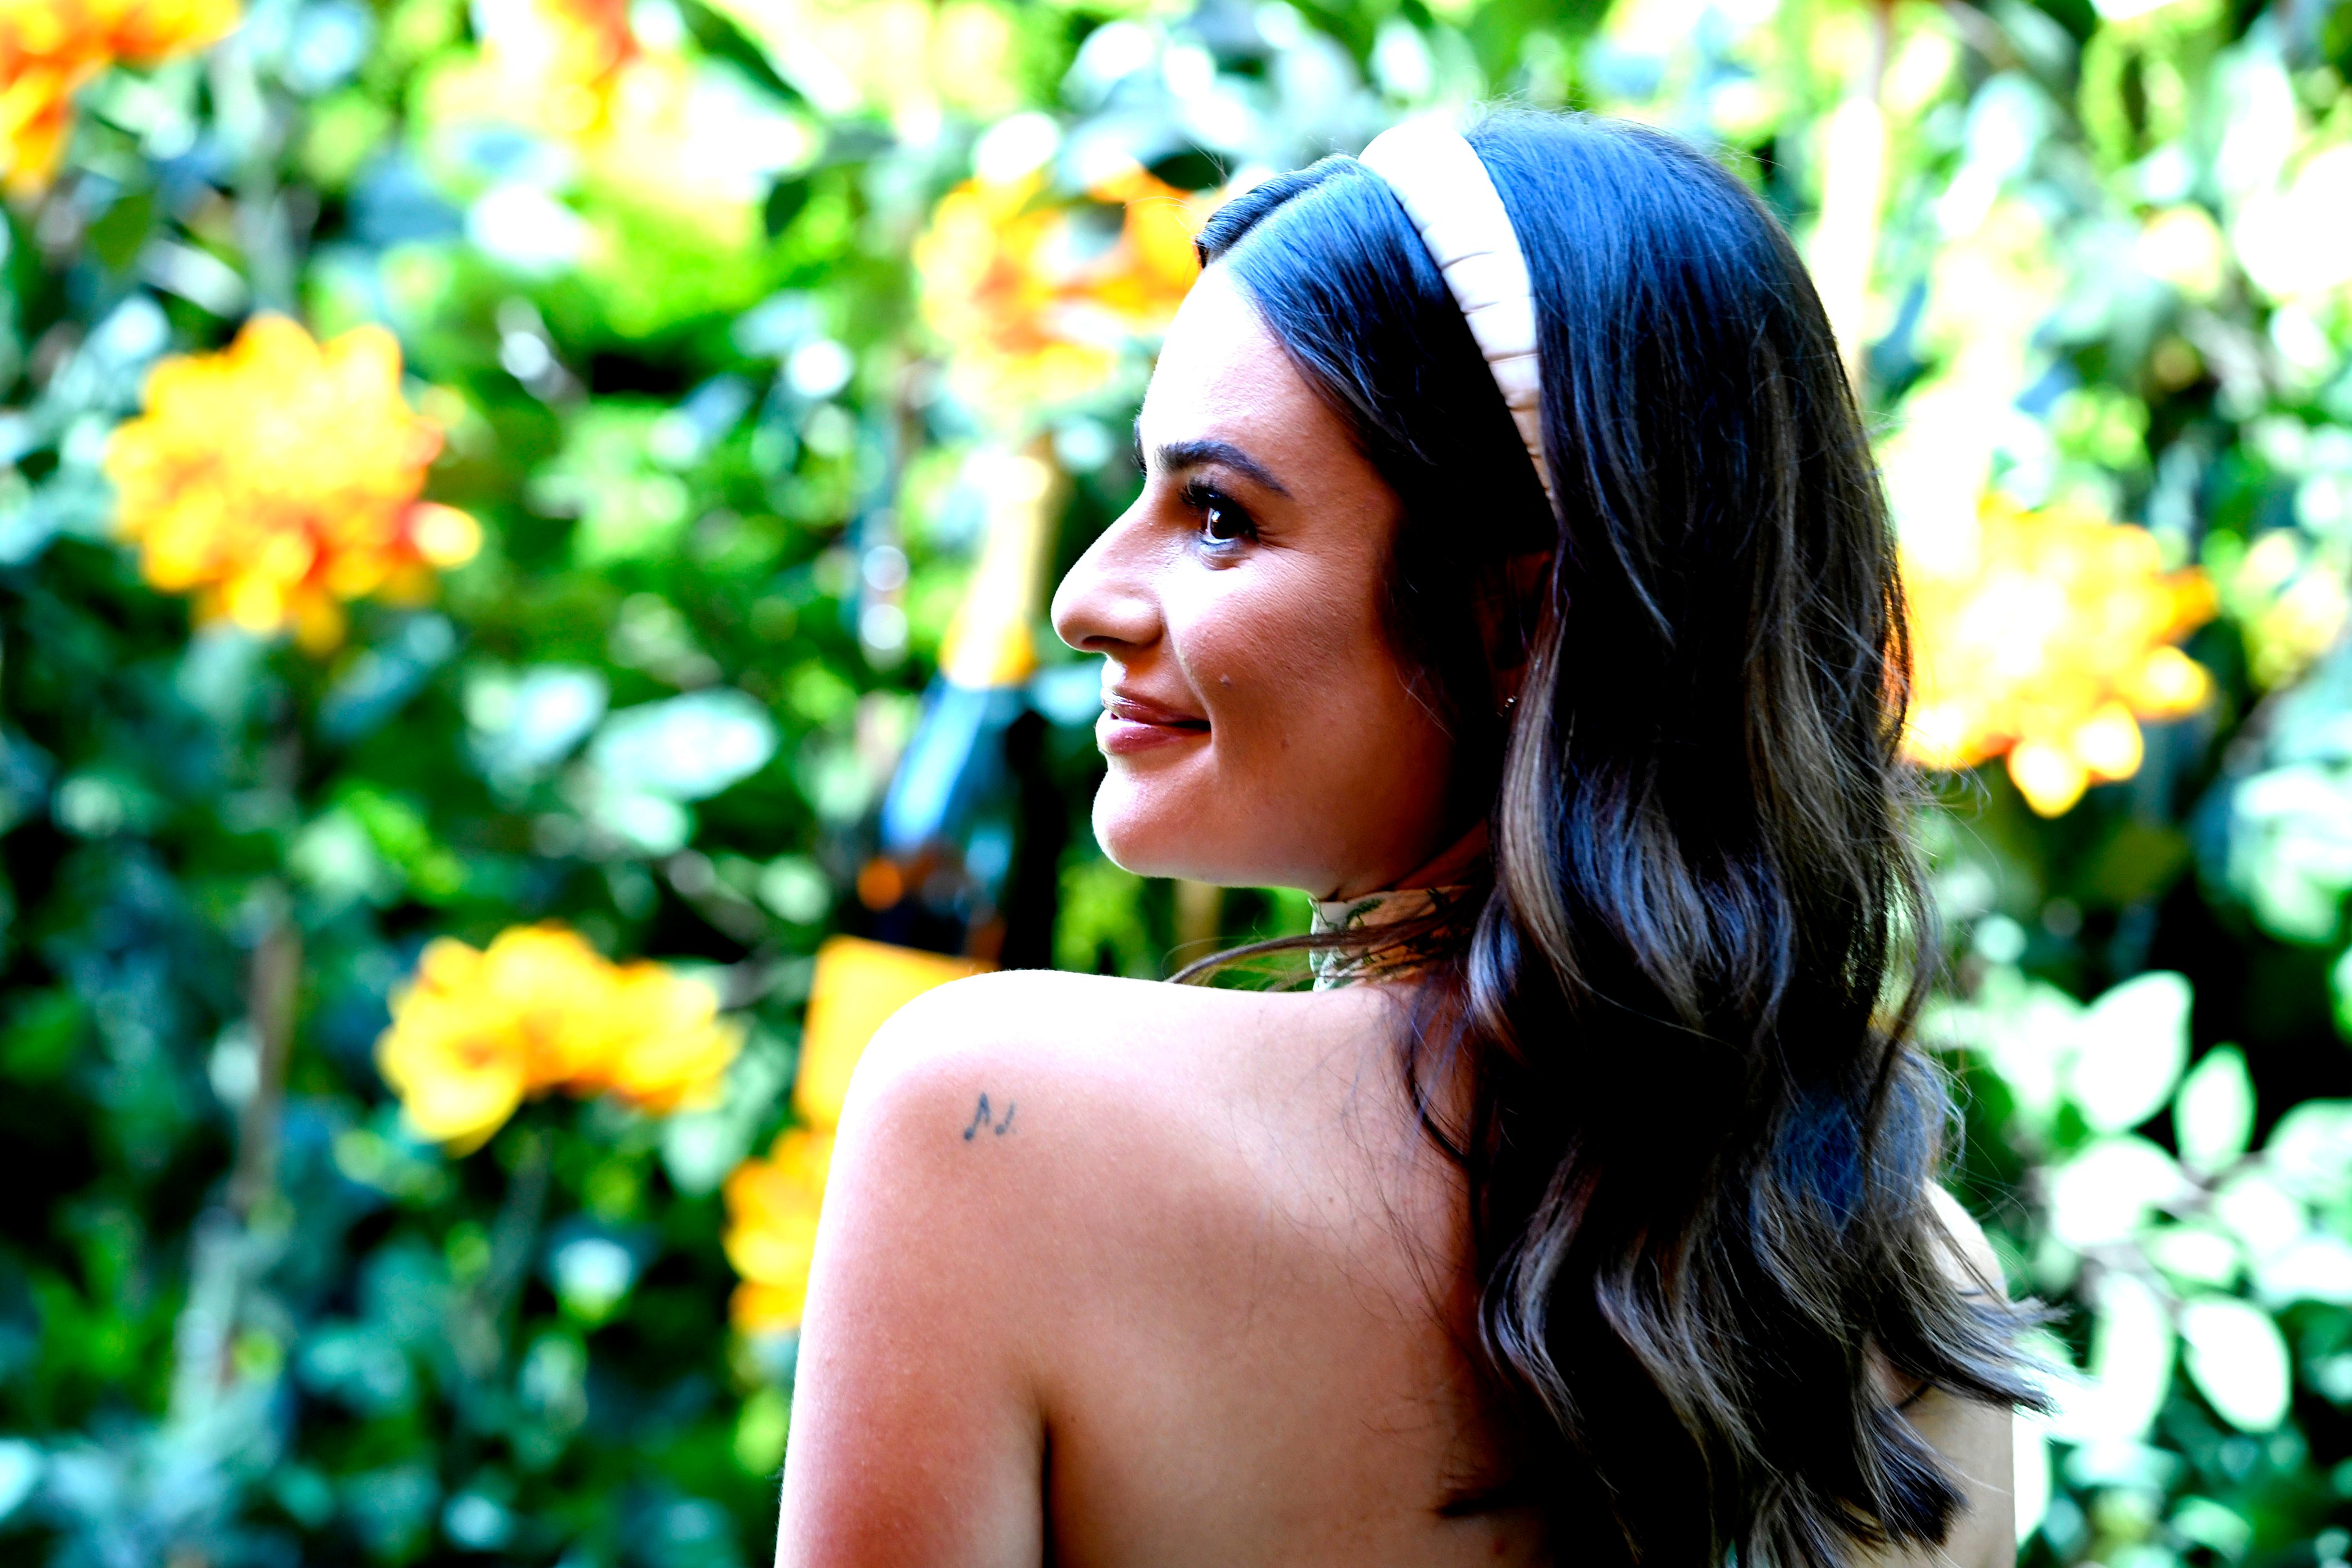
[[1698, 1144]]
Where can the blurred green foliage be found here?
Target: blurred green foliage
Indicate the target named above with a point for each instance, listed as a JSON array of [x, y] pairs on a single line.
[[2089, 255]]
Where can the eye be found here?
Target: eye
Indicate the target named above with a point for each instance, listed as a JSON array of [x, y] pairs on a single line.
[[1223, 520]]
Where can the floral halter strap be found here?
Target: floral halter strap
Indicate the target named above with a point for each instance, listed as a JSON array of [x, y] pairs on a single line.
[[1337, 967]]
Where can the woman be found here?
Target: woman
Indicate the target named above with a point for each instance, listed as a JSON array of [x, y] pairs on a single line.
[[1510, 573]]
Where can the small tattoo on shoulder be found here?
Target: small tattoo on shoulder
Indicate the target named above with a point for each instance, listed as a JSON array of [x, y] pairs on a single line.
[[985, 1119]]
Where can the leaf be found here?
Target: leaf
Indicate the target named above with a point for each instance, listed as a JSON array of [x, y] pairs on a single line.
[[2339, 987], [2133, 1043], [2195, 1255], [2314, 1268], [116, 236], [2030, 1485], [380, 681], [2130, 1366], [590, 1274], [2237, 1360], [687, 748], [359, 1364], [521, 727], [785, 199], [2260, 1214], [654, 824], [2310, 1150], [2209, 1523], [2105, 1192], [2213, 1115], [719, 34], [44, 1031], [391, 1509], [20, 1471], [700, 1147]]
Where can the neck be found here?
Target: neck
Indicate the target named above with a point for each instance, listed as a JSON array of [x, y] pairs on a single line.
[[1457, 863]]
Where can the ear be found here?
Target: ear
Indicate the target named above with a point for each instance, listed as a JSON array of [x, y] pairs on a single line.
[[1508, 617]]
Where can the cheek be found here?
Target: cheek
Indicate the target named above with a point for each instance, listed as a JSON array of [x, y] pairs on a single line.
[[1293, 669], [1249, 659], [1321, 761]]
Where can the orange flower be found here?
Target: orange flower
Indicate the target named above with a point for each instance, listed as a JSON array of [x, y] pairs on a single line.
[[50, 49], [2048, 642], [278, 481], [1153, 265], [571, 69], [592, 36], [1032, 314], [771, 1214], [477, 1030], [561, 61]]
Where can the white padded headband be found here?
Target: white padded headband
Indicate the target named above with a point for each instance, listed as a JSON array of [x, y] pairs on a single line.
[[1450, 199]]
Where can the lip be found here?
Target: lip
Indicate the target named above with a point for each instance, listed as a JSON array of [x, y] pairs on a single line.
[[1131, 723]]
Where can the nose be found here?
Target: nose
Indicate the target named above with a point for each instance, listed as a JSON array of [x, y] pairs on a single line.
[[1106, 604]]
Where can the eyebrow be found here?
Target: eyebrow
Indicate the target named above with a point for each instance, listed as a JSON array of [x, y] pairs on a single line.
[[1180, 455]]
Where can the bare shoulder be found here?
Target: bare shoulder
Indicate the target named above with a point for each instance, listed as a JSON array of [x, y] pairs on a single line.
[[964, 1087], [1976, 1441], [1002, 1036], [1970, 1259], [1013, 1094], [1039, 1044], [1060, 1120], [939, 1285], [1016, 1015]]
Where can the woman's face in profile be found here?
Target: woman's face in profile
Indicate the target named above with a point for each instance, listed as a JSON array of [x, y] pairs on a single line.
[[1259, 728]]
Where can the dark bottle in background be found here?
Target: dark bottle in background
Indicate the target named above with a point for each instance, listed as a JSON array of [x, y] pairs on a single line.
[[971, 828]]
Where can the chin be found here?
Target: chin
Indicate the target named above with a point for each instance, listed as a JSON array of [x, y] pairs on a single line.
[[1136, 837], [1151, 832]]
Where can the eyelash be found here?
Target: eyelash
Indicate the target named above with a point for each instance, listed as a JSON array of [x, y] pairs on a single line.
[[1210, 501]]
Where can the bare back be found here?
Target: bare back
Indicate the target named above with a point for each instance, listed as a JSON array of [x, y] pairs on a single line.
[[1186, 1290]]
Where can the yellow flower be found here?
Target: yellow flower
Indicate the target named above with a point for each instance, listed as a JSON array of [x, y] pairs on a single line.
[[50, 49], [1032, 314], [772, 1215], [667, 1047], [1152, 268], [663, 141], [458, 1053], [277, 480], [572, 70], [555, 65], [479, 1030], [2049, 641], [773, 1203], [857, 985]]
